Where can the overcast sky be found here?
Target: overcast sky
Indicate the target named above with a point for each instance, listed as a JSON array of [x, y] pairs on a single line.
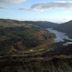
[[37, 10]]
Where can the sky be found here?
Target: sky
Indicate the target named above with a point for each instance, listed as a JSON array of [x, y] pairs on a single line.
[[36, 10]]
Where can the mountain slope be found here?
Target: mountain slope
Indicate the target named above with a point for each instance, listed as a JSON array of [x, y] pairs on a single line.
[[12, 23], [45, 24], [65, 27]]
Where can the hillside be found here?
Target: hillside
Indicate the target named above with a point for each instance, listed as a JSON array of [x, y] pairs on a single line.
[[27, 46], [42, 24], [22, 37], [65, 27], [19, 40]]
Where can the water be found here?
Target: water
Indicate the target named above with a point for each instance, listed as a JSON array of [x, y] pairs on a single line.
[[60, 36], [67, 43]]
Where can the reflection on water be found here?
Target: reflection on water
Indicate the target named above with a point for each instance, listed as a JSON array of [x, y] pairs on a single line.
[[60, 36], [67, 43]]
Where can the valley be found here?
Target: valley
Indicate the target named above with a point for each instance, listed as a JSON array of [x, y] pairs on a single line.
[[34, 47]]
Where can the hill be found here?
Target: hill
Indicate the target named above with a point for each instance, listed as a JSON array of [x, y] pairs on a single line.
[[27, 46], [66, 28], [21, 40], [42, 24]]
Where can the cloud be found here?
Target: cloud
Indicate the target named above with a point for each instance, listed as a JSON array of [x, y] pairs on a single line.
[[11, 1], [49, 5], [4, 3], [52, 5]]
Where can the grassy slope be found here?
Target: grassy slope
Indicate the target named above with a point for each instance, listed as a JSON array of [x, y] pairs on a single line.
[[22, 40], [25, 49]]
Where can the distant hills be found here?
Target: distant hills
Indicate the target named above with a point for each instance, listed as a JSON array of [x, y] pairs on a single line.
[[42, 24], [45, 24], [64, 27]]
